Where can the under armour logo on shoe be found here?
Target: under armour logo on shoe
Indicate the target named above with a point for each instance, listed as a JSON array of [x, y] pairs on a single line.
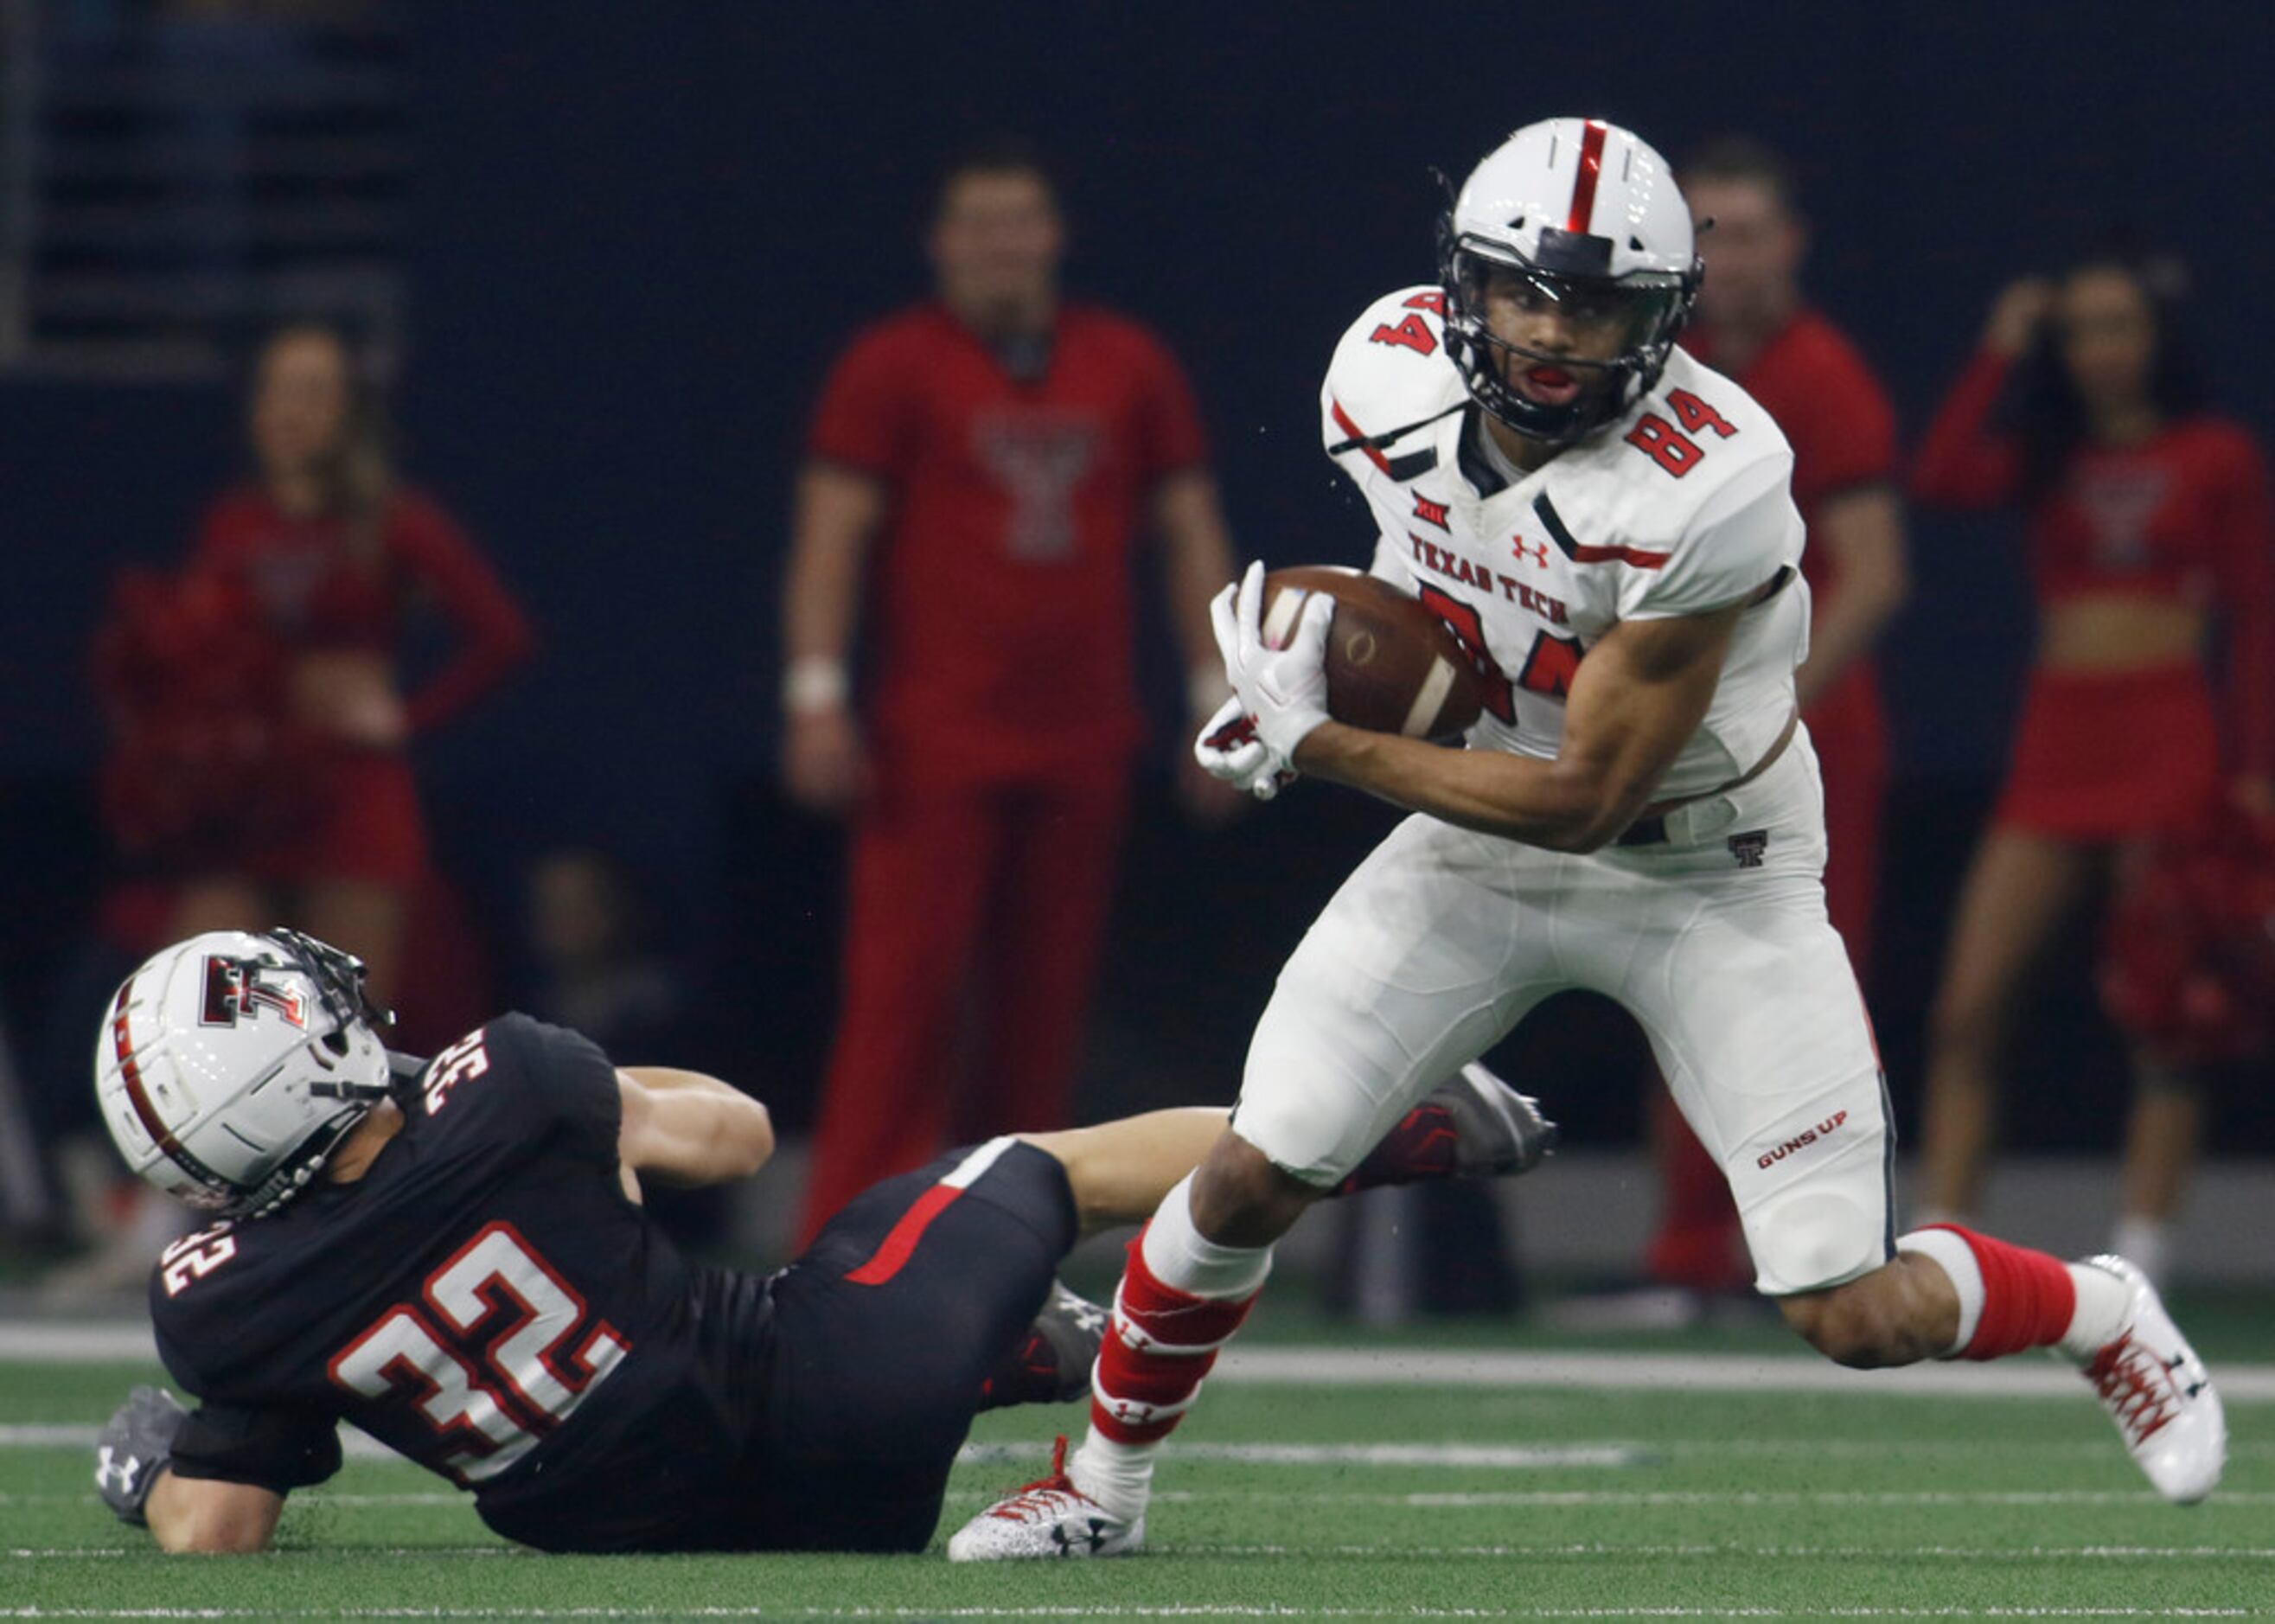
[[2174, 1364], [110, 1473], [1089, 1543], [1749, 847]]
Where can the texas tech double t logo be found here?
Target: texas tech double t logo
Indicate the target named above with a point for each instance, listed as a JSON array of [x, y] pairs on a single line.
[[235, 991]]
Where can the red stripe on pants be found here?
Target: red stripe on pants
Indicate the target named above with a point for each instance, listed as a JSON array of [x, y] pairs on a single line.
[[893, 1250]]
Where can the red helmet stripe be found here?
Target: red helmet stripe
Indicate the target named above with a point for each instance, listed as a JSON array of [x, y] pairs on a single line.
[[138, 1095], [1584, 184]]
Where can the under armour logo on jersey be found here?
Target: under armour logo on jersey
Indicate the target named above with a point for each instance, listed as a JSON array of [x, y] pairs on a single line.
[[1431, 513], [234, 988], [1749, 847], [113, 1473], [1535, 551]]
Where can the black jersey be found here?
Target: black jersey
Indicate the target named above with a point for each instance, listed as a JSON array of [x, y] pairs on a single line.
[[486, 1300]]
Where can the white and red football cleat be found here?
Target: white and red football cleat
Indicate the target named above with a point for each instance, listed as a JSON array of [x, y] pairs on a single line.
[[2160, 1395], [1050, 1517]]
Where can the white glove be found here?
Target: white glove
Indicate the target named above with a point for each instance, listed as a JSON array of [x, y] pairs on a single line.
[[1284, 689], [1230, 748]]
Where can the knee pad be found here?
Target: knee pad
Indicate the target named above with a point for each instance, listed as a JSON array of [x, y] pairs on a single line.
[[1815, 1239]]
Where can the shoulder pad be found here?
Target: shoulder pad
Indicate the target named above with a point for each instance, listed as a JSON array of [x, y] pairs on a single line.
[[1391, 374]]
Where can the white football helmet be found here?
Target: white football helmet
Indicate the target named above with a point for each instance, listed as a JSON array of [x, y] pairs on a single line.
[[231, 1064], [1588, 214]]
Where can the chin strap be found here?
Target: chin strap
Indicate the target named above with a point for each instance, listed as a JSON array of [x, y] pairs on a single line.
[[1384, 442], [298, 1170]]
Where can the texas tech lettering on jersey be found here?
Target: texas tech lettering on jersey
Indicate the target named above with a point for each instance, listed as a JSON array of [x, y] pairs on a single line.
[[1681, 507]]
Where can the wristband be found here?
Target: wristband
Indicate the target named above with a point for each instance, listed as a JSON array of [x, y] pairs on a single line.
[[814, 685]]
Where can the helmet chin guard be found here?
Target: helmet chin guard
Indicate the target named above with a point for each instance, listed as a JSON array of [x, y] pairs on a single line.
[[1580, 214], [232, 1064]]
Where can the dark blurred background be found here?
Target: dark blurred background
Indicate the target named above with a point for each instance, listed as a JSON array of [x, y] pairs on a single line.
[[611, 250]]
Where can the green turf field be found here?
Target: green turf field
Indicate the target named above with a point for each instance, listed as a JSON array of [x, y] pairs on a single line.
[[1494, 1501]]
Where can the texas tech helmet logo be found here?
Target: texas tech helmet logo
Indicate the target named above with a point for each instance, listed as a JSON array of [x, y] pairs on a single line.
[[234, 991]]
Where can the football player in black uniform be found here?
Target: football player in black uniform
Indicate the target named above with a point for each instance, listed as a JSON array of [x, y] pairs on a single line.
[[451, 1254]]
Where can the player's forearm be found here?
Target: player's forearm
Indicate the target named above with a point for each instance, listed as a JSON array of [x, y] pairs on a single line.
[[838, 514], [1561, 805], [819, 603], [190, 1516], [816, 605], [698, 1130], [1863, 531]]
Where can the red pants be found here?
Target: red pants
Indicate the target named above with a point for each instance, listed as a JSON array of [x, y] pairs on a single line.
[[1698, 1243], [1000, 890]]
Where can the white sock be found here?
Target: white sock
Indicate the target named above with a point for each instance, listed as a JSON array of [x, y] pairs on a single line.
[[1184, 1259], [2144, 1242], [2104, 1306], [1956, 1260], [1118, 1475]]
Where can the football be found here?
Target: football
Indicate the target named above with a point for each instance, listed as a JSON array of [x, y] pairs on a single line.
[[1393, 666]]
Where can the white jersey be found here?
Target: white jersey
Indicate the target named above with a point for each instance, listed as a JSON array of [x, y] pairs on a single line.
[[1681, 506]]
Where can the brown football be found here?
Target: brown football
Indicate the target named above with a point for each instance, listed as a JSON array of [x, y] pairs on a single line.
[[1393, 666]]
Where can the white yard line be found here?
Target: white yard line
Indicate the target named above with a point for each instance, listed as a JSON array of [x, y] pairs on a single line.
[[1444, 1499], [1174, 1610], [1971, 1553], [1489, 1457], [76, 1341], [1344, 1367], [1417, 1552], [89, 1342]]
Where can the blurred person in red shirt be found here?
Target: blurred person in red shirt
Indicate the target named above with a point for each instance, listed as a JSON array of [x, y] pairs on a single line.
[[259, 768], [2147, 520], [1754, 325], [978, 468], [263, 733]]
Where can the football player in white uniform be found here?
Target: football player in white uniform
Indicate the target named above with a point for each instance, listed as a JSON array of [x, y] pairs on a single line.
[[1608, 522]]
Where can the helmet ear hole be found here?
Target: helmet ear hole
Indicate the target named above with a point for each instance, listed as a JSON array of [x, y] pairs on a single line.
[[336, 1041]]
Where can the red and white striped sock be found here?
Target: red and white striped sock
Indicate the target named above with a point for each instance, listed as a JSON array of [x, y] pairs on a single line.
[[1182, 1298], [2012, 1298]]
